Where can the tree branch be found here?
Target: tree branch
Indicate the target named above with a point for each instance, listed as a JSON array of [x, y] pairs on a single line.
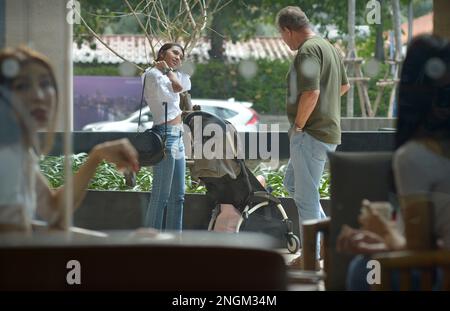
[[142, 27], [188, 9], [104, 43]]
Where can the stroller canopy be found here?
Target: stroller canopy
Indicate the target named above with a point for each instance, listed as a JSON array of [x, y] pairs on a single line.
[[218, 142]]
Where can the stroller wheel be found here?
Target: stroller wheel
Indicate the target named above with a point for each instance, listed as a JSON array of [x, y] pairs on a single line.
[[293, 243]]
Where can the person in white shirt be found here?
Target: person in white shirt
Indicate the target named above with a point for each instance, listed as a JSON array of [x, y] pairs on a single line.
[[163, 84], [29, 95]]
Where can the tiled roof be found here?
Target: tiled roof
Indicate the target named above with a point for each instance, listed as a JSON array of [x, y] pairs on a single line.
[[421, 25], [135, 48]]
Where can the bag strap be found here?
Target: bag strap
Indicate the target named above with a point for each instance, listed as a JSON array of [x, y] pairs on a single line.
[[140, 111], [142, 103], [165, 122]]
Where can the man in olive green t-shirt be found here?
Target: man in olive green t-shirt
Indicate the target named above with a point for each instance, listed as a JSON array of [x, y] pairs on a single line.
[[316, 81]]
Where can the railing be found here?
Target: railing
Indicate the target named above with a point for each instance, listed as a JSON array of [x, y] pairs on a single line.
[[351, 141]]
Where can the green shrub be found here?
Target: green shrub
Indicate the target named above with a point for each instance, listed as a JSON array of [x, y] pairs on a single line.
[[373, 90], [95, 70], [107, 177], [266, 90], [274, 180]]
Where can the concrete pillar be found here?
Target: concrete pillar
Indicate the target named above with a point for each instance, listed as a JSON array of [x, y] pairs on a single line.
[[441, 18], [42, 25], [2, 23]]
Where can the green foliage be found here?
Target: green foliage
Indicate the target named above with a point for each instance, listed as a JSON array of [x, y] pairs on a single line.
[[266, 90], [373, 90], [320, 13], [365, 49], [274, 181], [95, 69], [193, 186], [324, 188], [94, 12], [107, 177], [163, 19], [239, 19], [217, 80], [420, 7], [53, 168]]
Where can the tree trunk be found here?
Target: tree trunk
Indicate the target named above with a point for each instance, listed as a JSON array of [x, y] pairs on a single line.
[[397, 29], [351, 54], [398, 52], [379, 43], [216, 38], [441, 20], [410, 20]]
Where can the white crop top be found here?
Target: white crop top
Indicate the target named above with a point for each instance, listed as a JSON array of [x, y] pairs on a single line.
[[158, 89]]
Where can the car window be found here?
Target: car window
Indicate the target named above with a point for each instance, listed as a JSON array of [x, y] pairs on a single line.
[[148, 114], [225, 113], [209, 109]]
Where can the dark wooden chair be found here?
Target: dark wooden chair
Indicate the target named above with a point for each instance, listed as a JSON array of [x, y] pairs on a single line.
[[404, 262], [354, 176]]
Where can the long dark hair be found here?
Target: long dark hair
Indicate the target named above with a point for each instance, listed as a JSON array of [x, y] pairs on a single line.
[[426, 67], [167, 46]]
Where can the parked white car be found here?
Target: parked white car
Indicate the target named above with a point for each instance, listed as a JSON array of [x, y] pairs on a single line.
[[243, 118]]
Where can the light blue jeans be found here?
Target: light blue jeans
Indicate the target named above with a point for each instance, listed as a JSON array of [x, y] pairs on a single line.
[[303, 174], [168, 184]]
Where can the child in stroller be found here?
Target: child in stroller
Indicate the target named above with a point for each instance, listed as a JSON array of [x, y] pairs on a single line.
[[226, 217], [225, 175]]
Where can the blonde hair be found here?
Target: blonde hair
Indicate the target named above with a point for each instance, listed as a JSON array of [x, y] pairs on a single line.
[[23, 56]]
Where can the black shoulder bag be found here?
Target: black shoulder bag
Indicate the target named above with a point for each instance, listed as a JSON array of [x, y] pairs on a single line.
[[152, 145]]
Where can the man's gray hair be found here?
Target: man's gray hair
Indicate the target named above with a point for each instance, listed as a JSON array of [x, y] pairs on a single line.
[[292, 18]]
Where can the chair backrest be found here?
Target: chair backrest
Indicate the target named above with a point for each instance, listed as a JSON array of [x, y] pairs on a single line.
[[414, 270], [142, 268], [354, 176]]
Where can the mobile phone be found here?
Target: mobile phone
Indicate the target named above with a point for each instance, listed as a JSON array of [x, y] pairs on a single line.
[[130, 178]]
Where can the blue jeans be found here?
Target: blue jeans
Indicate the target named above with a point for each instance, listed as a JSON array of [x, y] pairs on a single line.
[[168, 183], [303, 174], [357, 277]]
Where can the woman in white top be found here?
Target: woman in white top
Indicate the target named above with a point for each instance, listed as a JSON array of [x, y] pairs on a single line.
[[30, 96], [163, 84]]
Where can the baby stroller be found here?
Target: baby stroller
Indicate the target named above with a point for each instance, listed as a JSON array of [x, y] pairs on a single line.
[[225, 176]]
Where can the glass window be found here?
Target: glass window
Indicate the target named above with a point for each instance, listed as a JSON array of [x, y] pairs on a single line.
[[145, 117], [225, 113], [209, 109]]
